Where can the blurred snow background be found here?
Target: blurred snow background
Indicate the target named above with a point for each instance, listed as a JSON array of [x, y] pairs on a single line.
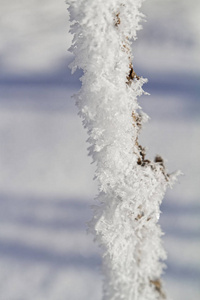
[[46, 185]]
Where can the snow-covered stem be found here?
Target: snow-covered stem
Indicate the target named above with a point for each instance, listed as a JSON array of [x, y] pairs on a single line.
[[131, 188]]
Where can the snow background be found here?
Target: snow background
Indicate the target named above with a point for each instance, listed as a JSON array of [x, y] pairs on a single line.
[[46, 185]]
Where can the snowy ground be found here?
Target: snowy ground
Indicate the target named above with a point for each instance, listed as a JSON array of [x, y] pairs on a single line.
[[46, 183]]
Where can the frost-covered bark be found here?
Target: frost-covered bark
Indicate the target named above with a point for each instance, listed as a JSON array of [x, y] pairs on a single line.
[[131, 187]]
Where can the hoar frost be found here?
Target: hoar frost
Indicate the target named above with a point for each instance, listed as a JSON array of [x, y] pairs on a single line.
[[131, 187]]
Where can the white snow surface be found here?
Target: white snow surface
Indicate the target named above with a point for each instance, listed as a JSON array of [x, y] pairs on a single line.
[[46, 185]]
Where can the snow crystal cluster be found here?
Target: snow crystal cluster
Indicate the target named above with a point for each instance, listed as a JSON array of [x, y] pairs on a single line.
[[131, 187]]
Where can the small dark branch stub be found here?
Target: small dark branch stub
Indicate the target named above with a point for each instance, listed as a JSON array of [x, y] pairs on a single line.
[[158, 287], [117, 20], [132, 75]]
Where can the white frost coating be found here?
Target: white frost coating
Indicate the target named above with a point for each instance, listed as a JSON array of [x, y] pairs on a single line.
[[131, 187]]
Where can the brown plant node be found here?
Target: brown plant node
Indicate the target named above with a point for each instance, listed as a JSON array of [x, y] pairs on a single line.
[[158, 287], [132, 75], [141, 159], [139, 216], [137, 118], [143, 162], [117, 20], [158, 159]]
